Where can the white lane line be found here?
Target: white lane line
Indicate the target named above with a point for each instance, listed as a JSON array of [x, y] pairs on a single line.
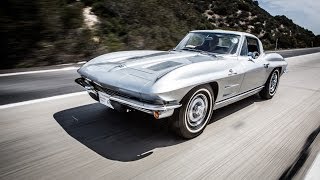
[[42, 100], [82, 62], [39, 71], [68, 64]]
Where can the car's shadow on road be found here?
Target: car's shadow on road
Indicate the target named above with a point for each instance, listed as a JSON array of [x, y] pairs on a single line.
[[116, 136], [232, 108], [125, 136]]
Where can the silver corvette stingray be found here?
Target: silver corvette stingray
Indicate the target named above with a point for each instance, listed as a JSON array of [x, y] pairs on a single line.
[[207, 70]]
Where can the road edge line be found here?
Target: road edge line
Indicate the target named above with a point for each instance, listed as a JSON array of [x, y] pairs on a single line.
[[6, 106], [39, 71]]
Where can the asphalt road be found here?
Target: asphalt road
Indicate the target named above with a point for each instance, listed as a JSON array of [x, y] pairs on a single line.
[[77, 138], [25, 87]]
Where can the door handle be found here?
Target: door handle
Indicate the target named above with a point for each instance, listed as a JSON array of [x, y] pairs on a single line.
[[232, 72], [266, 65]]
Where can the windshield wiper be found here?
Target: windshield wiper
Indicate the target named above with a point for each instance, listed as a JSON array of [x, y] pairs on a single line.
[[208, 53], [200, 51], [191, 49]]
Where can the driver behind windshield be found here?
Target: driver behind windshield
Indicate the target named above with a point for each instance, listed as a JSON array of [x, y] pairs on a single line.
[[210, 44], [213, 43], [217, 43]]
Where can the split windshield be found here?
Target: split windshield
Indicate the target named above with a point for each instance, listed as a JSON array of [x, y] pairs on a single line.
[[217, 43]]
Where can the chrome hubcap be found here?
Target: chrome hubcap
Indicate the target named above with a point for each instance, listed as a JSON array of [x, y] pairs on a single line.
[[197, 110], [273, 83]]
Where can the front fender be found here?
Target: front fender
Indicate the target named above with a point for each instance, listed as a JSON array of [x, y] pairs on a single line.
[[177, 83]]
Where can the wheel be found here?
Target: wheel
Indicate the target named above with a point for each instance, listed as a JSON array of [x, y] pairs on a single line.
[[192, 117], [271, 85]]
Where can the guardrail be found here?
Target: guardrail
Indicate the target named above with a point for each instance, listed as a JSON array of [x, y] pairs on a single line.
[[296, 52]]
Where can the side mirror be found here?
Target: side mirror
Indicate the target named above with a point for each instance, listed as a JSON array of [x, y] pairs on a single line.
[[253, 55], [250, 54]]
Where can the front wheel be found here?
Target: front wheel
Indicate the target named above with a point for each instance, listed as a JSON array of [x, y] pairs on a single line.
[[192, 117], [271, 85]]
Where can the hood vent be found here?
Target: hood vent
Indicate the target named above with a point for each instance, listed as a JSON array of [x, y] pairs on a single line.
[[164, 65]]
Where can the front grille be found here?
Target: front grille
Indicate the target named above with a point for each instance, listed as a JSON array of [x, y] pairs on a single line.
[[112, 92], [117, 93]]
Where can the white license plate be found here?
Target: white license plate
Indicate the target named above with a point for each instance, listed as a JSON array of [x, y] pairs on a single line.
[[105, 99]]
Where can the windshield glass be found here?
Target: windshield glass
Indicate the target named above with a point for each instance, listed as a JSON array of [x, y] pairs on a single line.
[[218, 43]]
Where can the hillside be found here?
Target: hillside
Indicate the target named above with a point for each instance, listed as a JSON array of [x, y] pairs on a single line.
[[47, 32]]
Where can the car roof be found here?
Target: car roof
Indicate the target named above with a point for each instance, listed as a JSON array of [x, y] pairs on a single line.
[[226, 31]]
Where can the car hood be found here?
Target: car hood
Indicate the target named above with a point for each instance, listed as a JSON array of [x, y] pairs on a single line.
[[132, 71]]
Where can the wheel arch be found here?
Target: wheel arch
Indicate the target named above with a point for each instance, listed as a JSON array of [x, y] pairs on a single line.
[[280, 69], [215, 88]]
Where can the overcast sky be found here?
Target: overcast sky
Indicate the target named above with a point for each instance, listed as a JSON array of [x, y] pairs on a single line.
[[305, 13]]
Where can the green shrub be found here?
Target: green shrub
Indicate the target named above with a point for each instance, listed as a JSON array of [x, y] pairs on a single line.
[[47, 32]]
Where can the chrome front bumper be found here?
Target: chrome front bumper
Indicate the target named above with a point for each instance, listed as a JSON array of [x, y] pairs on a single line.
[[159, 111]]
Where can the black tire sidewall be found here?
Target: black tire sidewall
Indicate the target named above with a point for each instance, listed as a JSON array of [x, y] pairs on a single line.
[[265, 93], [181, 114], [269, 82]]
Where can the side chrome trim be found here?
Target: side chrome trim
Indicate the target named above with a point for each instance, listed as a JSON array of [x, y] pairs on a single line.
[[236, 98], [231, 86]]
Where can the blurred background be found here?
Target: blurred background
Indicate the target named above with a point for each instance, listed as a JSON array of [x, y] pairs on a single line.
[[48, 32]]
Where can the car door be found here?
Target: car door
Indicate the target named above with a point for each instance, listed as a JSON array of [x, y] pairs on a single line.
[[233, 73], [254, 69]]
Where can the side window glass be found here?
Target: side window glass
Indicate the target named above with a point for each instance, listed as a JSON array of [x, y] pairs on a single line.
[[253, 45], [244, 50]]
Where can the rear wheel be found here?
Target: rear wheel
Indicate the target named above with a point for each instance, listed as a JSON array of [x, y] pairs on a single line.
[[192, 117], [271, 85]]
